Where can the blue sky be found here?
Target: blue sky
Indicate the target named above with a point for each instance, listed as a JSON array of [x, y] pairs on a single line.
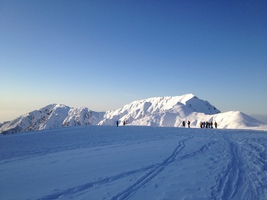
[[105, 54]]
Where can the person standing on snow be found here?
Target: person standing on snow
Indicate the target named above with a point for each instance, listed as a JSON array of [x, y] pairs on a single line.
[[188, 124]]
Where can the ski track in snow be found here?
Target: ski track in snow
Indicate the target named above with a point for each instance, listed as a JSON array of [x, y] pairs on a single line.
[[243, 175], [228, 181], [256, 165], [80, 188], [153, 171], [240, 174]]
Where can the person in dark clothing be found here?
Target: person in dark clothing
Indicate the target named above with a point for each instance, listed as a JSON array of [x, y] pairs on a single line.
[[183, 123], [215, 124], [188, 124], [117, 123]]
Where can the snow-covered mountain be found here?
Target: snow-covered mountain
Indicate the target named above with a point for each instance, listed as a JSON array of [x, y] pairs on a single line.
[[52, 116], [159, 111]]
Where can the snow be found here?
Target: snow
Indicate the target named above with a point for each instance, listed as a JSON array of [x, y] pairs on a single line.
[[152, 111], [134, 162], [168, 111]]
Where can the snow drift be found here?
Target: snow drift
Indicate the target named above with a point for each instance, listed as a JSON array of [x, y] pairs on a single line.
[[159, 111]]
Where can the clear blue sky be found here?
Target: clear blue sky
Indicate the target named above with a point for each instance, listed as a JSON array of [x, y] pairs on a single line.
[[105, 54]]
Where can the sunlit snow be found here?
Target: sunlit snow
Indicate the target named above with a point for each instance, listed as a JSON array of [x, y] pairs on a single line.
[[168, 111], [131, 162]]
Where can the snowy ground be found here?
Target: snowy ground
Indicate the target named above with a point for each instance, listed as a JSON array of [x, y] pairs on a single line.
[[106, 162]]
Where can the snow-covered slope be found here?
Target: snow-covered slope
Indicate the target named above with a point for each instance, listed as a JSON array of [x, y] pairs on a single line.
[[158, 111], [51, 116], [230, 119], [134, 163], [172, 111]]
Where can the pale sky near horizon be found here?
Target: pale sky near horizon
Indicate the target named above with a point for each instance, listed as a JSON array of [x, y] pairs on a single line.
[[105, 54]]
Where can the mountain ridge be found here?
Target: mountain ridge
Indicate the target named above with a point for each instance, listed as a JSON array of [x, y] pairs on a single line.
[[167, 111]]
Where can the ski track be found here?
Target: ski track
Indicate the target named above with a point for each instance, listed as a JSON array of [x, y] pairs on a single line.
[[242, 178], [125, 194], [256, 165], [228, 181], [153, 171], [80, 188]]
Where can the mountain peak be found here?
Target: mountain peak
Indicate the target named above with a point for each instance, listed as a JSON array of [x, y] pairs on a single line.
[[158, 111], [188, 96]]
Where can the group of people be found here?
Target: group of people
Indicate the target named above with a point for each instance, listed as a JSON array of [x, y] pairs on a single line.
[[208, 124], [202, 124]]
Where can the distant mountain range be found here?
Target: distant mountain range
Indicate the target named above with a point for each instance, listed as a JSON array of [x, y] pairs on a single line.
[[158, 111]]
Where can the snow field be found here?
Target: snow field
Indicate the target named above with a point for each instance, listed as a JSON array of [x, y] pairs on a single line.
[[107, 162]]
